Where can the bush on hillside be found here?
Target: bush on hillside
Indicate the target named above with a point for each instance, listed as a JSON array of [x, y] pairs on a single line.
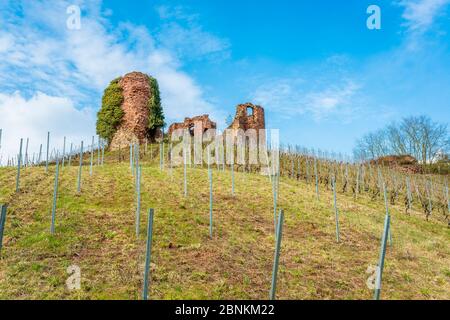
[[156, 114], [110, 115]]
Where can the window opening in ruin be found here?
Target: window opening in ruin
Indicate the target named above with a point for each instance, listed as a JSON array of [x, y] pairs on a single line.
[[191, 129]]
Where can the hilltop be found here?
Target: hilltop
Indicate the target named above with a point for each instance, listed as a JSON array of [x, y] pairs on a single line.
[[96, 231]]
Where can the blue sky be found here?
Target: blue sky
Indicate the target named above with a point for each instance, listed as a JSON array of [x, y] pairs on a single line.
[[323, 77]]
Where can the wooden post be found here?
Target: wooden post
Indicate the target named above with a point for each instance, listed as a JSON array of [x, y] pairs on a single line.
[[430, 205], [408, 193]]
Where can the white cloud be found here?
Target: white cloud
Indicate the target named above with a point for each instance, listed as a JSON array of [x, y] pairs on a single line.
[[294, 96], [332, 100], [39, 53], [421, 14], [33, 117], [181, 33], [192, 42], [6, 42], [181, 91], [175, 12]]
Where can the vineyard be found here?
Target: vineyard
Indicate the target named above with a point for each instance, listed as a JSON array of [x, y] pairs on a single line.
[[214, 227]]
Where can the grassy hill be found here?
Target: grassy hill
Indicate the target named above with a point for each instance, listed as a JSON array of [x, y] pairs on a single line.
[[96, 231]]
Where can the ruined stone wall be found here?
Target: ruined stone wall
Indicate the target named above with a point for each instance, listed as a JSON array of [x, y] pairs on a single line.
[[134, 126], [243, 120], [201, 123], [404, 163], [249, 117]]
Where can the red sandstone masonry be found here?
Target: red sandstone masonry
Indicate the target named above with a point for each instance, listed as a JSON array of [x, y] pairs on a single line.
[[190, 123], [134, 127], [245, 121]]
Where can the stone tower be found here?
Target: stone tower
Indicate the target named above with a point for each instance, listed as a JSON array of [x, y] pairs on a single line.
[[134, 126], [248, 116]]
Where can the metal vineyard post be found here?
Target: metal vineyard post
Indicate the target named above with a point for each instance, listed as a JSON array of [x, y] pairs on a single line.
[[276, 261]]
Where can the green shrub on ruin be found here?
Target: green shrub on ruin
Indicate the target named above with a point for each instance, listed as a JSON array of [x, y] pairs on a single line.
[[110, 115], [156, 114]]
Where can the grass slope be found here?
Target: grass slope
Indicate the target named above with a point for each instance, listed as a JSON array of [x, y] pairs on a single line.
[[96, 231]]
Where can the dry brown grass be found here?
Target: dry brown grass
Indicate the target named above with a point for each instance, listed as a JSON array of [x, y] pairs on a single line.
[[96, 230]]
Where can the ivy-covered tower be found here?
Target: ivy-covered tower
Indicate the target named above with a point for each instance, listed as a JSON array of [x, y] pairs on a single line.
[[131, 111]]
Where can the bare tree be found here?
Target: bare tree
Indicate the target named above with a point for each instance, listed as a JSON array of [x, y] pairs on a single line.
[[397, 139], [372, 145], [426, 138], [416, 136]]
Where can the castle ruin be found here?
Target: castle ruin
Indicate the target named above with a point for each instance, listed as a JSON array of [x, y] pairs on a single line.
[[248, 116], [136, 91], [196, 125]]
